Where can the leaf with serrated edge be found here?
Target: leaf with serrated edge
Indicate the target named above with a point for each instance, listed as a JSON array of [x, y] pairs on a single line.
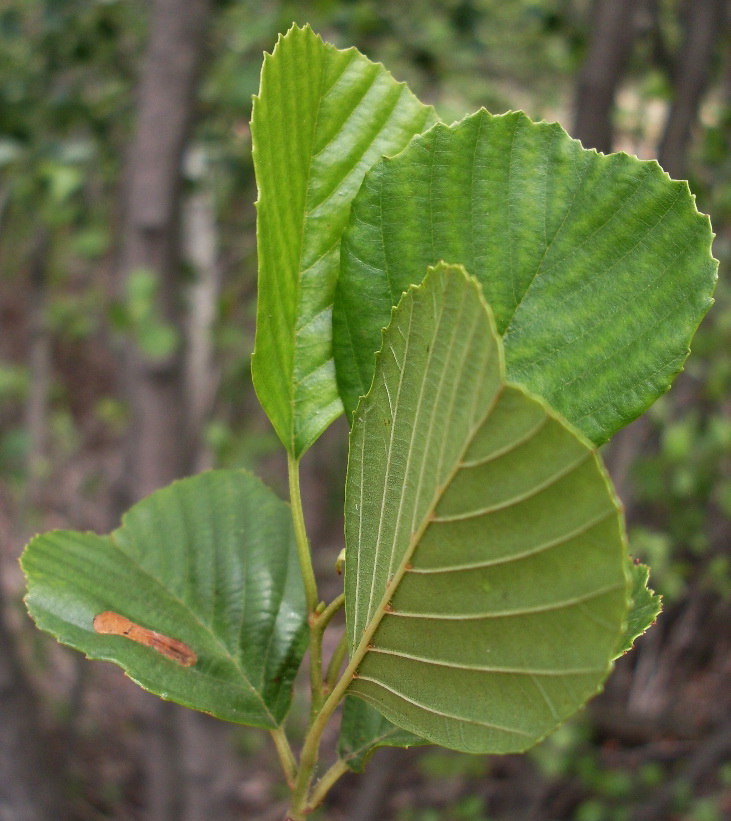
[[208, 561], [321, 120], [598, 268], [485, 585], [645, 606]]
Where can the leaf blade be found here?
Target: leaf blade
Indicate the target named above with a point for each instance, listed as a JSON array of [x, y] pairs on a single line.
[[457, 637], [208, 561], [598, 267], [645, 606], [322, 118]]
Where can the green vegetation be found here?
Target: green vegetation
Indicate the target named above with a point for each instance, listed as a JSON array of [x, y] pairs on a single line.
[[456, 300]]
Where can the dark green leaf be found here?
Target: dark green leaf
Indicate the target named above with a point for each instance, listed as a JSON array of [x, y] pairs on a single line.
[[208, 561], [598, 268]]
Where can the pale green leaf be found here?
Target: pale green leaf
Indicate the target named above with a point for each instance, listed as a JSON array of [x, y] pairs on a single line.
[[321, 120], [484, 574], [598, 268], [208, 561]]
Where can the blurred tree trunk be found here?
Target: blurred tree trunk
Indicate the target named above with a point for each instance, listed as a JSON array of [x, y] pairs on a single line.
[[200, 247], [39, 365], [212, 774], [159, 440], [30, 783], [703, 27], [610, 45], [30, 787], [159, 444]]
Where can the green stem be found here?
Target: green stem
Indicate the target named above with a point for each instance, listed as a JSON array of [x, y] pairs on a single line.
[[325, 784], [311, 746], [316, 680], [300, 534], [326, 616], [320, 712], [308, 576], [317, 630], [286, 757], [336, 662]]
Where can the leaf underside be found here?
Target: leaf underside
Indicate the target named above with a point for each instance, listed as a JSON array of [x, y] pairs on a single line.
[[597, 268], [484, 575], [209, 561], [321, 120], [363, 730]]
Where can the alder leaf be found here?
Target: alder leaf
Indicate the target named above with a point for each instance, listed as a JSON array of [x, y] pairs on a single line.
[[208, 562], [485, 574], [321, 120], [598, 268]]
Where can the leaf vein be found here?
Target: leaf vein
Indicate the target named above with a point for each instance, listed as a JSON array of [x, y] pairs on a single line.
[[536, 549], [525, 611], [480, 668], [442, 713], [521, 497]]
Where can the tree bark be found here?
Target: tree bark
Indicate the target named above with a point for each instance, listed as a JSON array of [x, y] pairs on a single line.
[[705, 23], [158, 448], [610, 46], [157, 451], [200, 246], [30, 784], [30, 787], [39, 364]]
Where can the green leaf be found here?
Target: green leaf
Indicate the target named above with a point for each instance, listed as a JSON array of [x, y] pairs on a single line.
[[598, 268], [209, 561], [645, 606], [484, 574], [321, 120], [363, 730]]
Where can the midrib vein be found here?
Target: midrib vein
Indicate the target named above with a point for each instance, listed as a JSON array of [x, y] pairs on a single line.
[[389, 463], [374, 622]]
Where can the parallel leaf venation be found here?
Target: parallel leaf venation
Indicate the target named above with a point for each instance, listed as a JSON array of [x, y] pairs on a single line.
[[518, 671], [541, 547], [556, 605], [512, 501], [442, 365], [208, 561], [439, 438], [322, 118], [435, 711], [598, 268]]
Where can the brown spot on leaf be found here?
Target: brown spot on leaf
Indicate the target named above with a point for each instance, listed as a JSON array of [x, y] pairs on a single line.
[[113, 624]]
